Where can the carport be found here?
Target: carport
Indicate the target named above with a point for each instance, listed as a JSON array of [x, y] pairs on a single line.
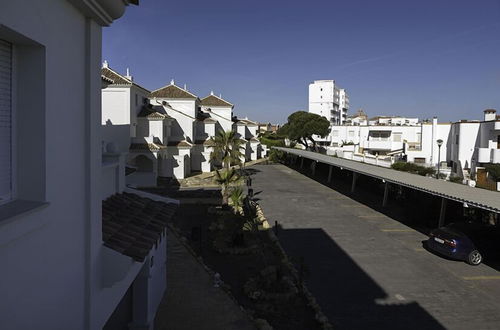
[[475, 197]]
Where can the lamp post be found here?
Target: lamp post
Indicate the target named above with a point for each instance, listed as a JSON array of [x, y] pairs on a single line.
[[439, 143]]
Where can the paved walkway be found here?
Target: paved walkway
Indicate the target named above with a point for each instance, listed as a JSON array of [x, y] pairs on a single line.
[[367, 270], [191, 301]]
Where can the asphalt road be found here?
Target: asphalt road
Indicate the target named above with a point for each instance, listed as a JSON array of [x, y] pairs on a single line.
[[368, 270]]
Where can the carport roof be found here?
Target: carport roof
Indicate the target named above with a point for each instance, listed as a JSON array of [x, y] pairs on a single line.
[[481, 198]]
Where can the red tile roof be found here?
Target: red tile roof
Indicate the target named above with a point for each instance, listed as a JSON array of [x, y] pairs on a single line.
[[132, 225], [215, 101], [172, 92]]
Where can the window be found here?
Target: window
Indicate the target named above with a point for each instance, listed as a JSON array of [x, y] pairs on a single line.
[[397, 137], [5, 121], [22, 128]]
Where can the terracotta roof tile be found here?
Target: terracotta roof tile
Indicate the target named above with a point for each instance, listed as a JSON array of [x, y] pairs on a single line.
[[182, 143], [150, 113], [215, 101], [146, 146], [172, 92], [132, 225], [118, 79]]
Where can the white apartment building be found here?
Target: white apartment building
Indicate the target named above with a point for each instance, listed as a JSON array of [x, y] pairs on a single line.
[[393, 120], [467, 146], [61, 268], [166, 133], [327, 99]]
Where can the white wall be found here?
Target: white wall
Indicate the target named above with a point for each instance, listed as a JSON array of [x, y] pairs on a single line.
[[43, 252]]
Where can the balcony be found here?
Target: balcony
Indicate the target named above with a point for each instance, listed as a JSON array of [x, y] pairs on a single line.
[[383, 145], [495, 155], [497, 125], [483, 155]]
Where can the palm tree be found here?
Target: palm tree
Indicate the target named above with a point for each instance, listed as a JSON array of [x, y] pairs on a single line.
[[227, 148], [226, 178], [236, 200]]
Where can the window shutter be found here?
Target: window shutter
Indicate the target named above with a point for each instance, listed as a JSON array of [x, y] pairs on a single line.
[[5, 121]]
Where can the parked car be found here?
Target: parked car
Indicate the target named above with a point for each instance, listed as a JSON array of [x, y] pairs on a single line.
[[467, 241]]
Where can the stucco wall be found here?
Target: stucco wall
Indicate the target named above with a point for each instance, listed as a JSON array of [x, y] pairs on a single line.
[[43, 252]]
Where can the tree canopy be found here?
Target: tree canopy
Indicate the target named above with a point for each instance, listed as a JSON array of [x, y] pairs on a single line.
[[302, 125]]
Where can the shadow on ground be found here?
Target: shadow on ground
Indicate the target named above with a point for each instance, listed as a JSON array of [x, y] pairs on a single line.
[[347, 295]]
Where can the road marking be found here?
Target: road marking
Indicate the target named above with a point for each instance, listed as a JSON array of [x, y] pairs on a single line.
[[397, 230], [478, 278], [399, 297]]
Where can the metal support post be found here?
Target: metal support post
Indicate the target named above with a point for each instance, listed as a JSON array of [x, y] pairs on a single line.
[[329, 174], [442, 213], [354, 178], [313, 167], [301, 162], [386, 194]]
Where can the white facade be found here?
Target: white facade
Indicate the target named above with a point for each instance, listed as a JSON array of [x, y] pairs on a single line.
[[54, 262], [466, 145], [169, 131], [393, 120], [328, 100]]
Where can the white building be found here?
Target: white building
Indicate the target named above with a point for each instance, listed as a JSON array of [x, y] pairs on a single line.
[[327, 99], [165, 133], [393, 120], [62, 266], [467, 145]]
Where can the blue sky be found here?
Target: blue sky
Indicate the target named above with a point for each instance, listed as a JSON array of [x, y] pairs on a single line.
[[411, 58]]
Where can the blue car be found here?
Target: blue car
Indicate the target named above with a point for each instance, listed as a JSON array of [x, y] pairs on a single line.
[[467, 241]]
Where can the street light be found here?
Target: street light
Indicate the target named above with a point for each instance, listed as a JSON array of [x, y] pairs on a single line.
[[439, 143]]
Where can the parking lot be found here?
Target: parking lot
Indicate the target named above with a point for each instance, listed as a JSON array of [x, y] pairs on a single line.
[[367, 268]]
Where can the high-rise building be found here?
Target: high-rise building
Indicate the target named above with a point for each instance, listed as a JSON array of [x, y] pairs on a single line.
[[327, 99]]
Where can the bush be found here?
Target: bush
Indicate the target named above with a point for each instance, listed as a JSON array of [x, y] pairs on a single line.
[[413, 168], [277, 156], [493, 171], [455, 179]]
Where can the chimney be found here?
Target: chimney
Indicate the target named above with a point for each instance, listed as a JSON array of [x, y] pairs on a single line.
[[105, 64], [172, 82], [220, 95], [128, 76], [185, 87], [211, 92], [490, 114]]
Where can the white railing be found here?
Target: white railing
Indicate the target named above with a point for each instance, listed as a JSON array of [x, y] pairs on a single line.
[[483, 155], [384, 161]]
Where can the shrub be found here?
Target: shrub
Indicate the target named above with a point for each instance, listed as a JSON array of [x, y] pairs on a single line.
[[493, 171], [277, 156], [413, 168], [455, 179]]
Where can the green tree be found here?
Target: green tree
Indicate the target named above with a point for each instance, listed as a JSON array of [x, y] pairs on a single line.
[[236, 200], [227, 178], [227, 148], [302, 125]]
